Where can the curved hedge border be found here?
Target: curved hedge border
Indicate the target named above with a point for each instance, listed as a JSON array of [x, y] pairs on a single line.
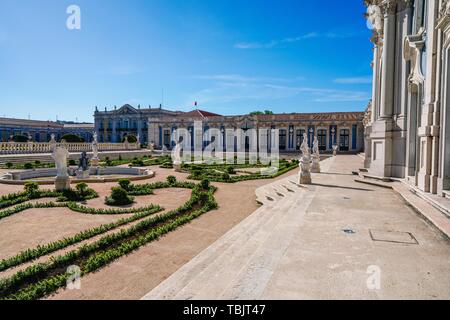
[[39, 251], [21, 197], [134, 190], [37, 281], [284, 168]]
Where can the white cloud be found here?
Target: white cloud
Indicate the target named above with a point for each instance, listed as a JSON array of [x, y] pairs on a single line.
[[241, 78], [354, 80], [276, 42], [242, 91]]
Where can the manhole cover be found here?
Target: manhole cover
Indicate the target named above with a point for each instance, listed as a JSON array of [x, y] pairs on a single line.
[[393, 236], [349, 231]]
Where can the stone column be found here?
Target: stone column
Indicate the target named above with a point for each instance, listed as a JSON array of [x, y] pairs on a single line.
[[139, 129], [387, 70], [376, 64], [114, 130]]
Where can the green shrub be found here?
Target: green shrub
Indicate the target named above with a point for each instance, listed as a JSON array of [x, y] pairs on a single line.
[[28, 165], [196, 173], [226, 176], [31, 188], [9, 165], [72, 162], [205, 184], [20, 138], [137, 163], [119, 197], [120, 157], [37, 162], [72, 138], [125, 184], [171, 180], [230, 170]]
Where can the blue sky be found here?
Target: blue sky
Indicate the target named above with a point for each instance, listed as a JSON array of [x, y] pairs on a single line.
[[232, 56]]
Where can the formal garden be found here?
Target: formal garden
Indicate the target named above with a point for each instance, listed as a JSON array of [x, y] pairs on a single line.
[[39, 271], [37, 280]]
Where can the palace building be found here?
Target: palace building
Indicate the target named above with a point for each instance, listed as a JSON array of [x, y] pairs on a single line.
[[408, 132], [344, 129], [40, 131]]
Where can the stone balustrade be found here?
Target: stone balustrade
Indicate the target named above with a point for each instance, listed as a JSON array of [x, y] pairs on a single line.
[[47, 147]]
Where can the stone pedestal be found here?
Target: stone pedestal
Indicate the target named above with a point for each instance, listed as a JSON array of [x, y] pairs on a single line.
[[62, 183], [177, 166], [95, 162], [315, 168], [82, 174], [335, 151], [305, 171]]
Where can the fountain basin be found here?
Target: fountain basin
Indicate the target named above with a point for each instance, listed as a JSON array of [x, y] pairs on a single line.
[[97, 175]]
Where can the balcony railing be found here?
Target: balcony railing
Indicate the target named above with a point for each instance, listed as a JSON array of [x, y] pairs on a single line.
[[47, 147]]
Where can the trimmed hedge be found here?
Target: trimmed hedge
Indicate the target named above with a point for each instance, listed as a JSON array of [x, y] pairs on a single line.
[[39, 251]]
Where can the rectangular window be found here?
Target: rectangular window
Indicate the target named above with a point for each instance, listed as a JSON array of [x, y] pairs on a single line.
[[322, 137], [282, 139]]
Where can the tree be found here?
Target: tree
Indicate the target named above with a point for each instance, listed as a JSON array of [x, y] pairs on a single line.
[[20, 138], [258, 113], [130, 137], [72, 138]]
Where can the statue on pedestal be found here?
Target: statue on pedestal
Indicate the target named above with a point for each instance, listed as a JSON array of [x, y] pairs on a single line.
[[60, 155], [83, 166], [95, 159], [335, 148], [315, 156], [176, 157], [305, 162]]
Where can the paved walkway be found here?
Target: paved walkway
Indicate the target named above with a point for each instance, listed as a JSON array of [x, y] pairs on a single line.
[[324, 241]]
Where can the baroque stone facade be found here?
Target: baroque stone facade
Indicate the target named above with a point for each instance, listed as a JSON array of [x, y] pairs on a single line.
[[156, 126], [409, 128]]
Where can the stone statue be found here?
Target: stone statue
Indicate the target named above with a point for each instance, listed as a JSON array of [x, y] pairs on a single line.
[[304, 147], [60, 155], [305, 162], [83, 167], [95, 159], [176, 157], [315, 156], [84, 161]]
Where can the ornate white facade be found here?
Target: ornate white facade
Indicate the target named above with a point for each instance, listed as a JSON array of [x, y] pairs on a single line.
[[409, 127]]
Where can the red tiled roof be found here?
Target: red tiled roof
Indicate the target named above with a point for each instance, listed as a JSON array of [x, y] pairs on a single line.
[[200, 113]]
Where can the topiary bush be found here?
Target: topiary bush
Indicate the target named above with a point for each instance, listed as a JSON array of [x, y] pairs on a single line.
[[31, 188], [9, 165], [82, 192], [171, 180], [125, 184], [72, 162], [137, 163], [205, 184], [230, 170], [119, 197], [28, 165]]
